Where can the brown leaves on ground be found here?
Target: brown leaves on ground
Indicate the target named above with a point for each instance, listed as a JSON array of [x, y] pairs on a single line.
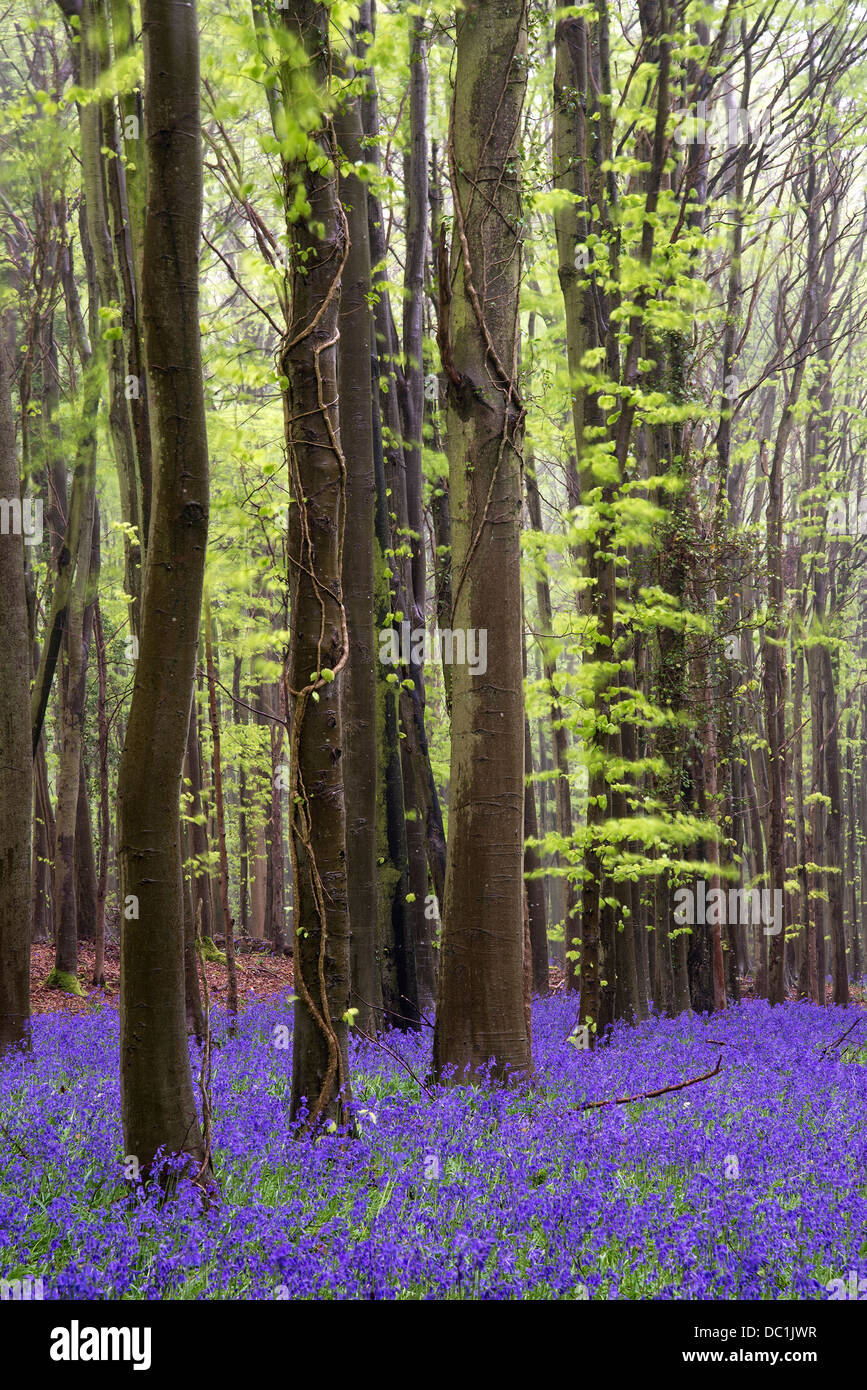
[[259, 976]]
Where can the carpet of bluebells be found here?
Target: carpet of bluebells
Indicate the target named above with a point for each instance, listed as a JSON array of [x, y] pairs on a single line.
[[751, 1184]]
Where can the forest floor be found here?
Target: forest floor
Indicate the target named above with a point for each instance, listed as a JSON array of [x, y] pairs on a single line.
[[690, 1157], [260, 975]]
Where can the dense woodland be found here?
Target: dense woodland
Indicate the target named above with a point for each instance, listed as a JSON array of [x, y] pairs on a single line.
[[433, 531]]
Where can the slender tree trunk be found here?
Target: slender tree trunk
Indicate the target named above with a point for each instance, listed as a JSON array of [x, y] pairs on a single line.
[[861, 926], [125, 169], [16, 754], [404, 761], [534, 884], [359, 703], [773, 683], [807, 982], [413, 305], [85, 862], [258, 885], [835, 860], [577, 168], [554, 885], [852, 852], [430, 831], [275, 903], [199, 851], [41, 912], [559, 741], [72, 692], [94, 59], [192, 989], [396, 938], [231, 970], [157, 1102], [104, 812], [239, 715]]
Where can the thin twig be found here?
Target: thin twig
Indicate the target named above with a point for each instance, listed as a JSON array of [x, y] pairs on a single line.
[[262, 310], [378, 1042], [381, 1009]]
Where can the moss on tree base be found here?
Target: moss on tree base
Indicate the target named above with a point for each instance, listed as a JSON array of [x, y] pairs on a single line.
[[210, 952], [62, 979]]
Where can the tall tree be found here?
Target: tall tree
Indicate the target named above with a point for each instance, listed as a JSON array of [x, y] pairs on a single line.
[[220, 814], [360, 690], [16, 758], [480, 1014], [157, 1102], [319, 649]]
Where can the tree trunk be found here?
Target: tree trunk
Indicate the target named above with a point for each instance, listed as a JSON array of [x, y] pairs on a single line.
[[559, 743], [319, 644], [192, 989], [480, 1012], [359, 702], [534, 884], [197, 830], [16, 754], [98, 979], [43, 857], [72, 694], [239, 715], [94, 65], [85, 862], [157, 1104], [275, 902], [258, 886], [231, 971]]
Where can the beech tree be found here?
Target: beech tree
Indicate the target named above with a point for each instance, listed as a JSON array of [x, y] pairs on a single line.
[[318, 247], [156, 1084], [480, 1000], [355, 326], [15, 751]]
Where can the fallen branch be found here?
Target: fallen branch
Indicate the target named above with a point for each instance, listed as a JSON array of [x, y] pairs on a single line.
[[649, 1095], [837, 1043], [14, 1142]]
